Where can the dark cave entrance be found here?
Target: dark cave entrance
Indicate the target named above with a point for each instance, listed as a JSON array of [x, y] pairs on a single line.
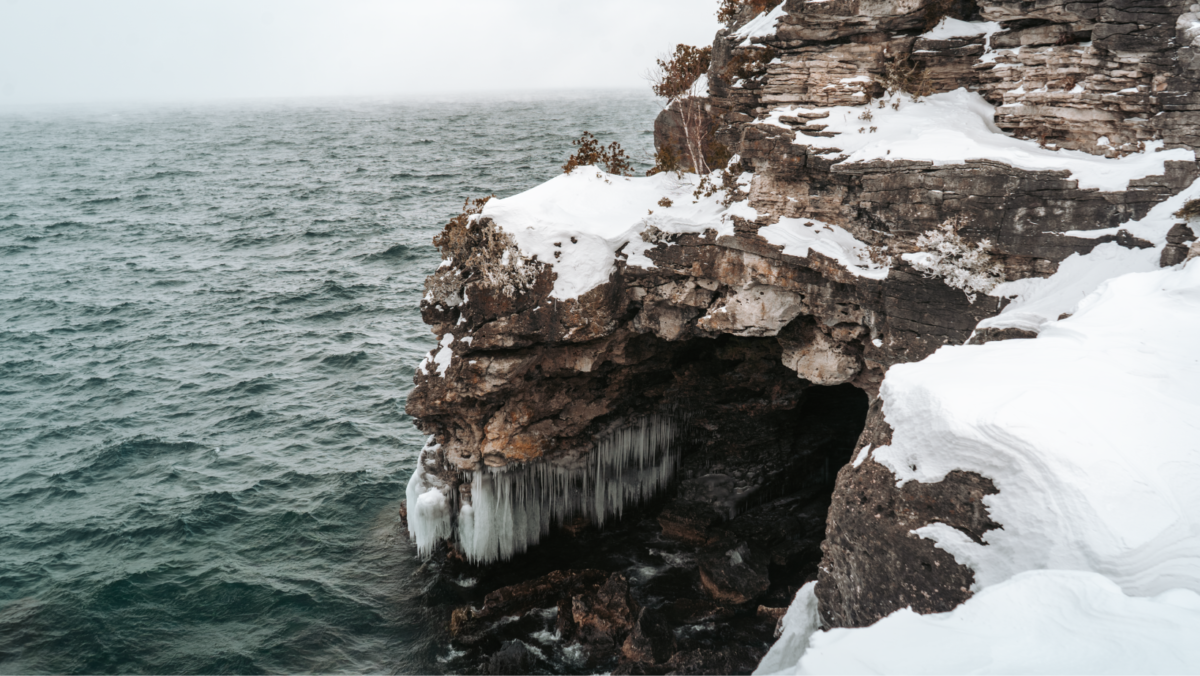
[[740, 529], [761, 450], [761, 454]]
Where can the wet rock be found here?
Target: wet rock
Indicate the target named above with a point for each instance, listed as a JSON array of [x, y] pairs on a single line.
[[601, 619], [513, 658], [680, 612], [652, 639], [733, 575], [688, 521], [469, 624], [773, 615], [733, 659]]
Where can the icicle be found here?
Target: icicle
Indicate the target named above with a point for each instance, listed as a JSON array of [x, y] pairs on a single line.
[[512, 509], [429, 508]]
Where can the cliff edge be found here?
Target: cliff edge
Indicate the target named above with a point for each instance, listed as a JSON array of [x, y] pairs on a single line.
[[901, 178]]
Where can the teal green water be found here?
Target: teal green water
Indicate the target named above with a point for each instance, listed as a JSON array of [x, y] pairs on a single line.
[[208, 327]]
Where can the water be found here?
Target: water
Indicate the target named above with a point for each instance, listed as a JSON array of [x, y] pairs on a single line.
[[208, 328]]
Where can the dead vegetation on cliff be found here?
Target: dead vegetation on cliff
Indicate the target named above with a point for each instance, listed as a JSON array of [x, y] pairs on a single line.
[[678, 78], [589, 153], [729, 9]]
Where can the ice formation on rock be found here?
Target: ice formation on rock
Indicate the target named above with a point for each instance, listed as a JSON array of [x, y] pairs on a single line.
[[513, 507], [428, 506]]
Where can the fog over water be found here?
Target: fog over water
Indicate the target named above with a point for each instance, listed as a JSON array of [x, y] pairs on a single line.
[[82, 51]]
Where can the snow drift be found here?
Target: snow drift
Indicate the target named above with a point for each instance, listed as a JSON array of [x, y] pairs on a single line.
[[1091, 433]]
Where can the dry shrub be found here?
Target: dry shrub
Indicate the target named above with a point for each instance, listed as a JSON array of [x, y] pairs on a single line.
[[1190, 210], [747, 64], [945, 255], [665, 160], [904, 76], [675, 78], [590, 153], [453, 238], [676, 74], [729, 9]]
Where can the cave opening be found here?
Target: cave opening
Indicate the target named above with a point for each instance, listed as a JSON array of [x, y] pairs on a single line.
[[738, 530], [757, 458]]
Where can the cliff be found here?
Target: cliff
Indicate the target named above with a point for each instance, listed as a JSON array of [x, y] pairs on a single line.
[[904, 176]]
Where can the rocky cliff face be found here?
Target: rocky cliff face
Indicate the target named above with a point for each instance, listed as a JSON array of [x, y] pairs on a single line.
[[731, 337]]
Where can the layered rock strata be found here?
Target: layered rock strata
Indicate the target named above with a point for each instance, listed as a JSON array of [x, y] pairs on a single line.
[[728, 334]]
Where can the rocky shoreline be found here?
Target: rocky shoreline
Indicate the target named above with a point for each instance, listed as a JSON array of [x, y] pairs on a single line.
[[764, 338]]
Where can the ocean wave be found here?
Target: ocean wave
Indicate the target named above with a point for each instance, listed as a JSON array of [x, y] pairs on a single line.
[[204, 452]]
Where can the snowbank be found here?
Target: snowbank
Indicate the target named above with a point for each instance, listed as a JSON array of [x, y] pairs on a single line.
[[957, 126], [577, 222], [1042, 622], [1037, 302], [1091, 433]]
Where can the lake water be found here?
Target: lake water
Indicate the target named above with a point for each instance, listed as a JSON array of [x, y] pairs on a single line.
[[208, 328]]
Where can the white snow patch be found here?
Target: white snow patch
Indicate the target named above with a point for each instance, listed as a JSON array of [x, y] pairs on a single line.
[[798, 626], [1038, 301], [957, 126], [799, 236], [1042, 622], [1042, 301], [862, 456], [442, 358], [1091, 433], [587, 215], [949, 28], [760, 26]]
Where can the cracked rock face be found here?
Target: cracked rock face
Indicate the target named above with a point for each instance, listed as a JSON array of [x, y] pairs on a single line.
[[730, 331]]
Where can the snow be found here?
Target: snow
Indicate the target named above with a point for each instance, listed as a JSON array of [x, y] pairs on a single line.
[[440, 359], [799, 236], [761, 26], [1038, 302], [957, 126], [949, 28], [587, 216], [799, 624], [862, 456], [1041, 301], [1091, 434], [1042, 622]]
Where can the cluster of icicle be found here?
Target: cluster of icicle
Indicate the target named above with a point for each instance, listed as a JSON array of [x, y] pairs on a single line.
[[512, 508]]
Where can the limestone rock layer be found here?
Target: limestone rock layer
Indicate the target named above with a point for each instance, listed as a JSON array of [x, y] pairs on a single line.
[[727, 334]]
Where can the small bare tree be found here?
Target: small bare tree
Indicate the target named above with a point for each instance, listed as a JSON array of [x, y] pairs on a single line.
[[676, 79]]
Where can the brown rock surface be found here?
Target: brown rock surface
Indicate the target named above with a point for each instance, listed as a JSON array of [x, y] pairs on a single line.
[[732, 335]]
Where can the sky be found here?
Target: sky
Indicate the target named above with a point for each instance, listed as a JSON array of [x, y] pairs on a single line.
[[92, 51]]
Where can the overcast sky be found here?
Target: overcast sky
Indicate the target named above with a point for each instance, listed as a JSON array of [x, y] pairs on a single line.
[[67, 51]]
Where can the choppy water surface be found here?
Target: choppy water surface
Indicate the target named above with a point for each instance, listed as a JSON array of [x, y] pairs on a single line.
[[208, 327]]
